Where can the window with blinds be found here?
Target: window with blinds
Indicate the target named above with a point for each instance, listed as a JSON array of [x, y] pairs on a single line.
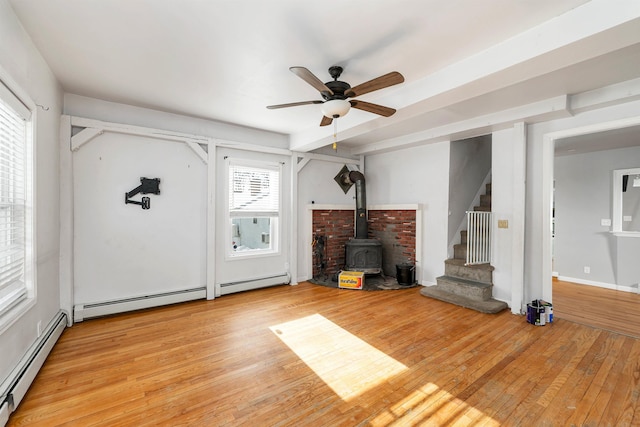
[[14, 117], [253, 207]]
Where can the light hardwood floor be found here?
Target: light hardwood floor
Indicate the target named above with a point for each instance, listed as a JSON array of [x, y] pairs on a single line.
[[307, 355], [614, 311]]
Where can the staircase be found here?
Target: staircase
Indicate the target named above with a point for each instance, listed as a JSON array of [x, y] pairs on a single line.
[[468, 286]]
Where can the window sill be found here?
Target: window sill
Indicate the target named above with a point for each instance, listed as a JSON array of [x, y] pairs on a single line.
[[635, 234], [248, 254]]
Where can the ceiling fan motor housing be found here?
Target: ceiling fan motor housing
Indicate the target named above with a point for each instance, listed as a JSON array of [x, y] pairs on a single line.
[[338, 88], [335, 104]]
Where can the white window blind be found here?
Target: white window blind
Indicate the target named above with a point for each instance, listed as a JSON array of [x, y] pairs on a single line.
[[13, 134], [254, 191]]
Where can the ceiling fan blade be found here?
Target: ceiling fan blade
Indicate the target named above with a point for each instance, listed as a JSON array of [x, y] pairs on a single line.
[[373, 108], [293, 104], [389, 79], [310, 78], [326, 121]]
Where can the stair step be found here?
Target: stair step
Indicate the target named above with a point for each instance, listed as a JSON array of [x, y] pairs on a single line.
[[482, 208], [485, 200], [490, 306], [463, 237], [487, 189], [460, 251], [482, 273], [465, 288]]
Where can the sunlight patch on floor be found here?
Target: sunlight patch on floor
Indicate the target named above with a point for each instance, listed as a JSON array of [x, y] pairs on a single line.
[[343, 361], [431, 405]]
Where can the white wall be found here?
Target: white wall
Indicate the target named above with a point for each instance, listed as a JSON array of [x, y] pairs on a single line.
[[20, 60], [124, 251], [416, 175], [196, 256], [583, 197], [507, 204]]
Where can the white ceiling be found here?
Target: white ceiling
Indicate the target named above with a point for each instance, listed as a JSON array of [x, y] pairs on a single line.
[[227, 60]]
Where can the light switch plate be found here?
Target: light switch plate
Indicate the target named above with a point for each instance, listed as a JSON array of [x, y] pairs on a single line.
[[605, 222], [627, 218], [503, 223]]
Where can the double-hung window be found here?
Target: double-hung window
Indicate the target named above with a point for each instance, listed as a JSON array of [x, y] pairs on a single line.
[[253, 207], [16, 284]]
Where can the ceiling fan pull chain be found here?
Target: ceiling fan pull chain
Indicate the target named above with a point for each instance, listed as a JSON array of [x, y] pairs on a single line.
[[335, 134]]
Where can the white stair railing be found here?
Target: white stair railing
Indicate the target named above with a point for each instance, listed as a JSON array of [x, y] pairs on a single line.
[[478, 237]]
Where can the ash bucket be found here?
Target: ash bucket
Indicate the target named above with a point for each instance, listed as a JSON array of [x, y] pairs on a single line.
[[406, 274]]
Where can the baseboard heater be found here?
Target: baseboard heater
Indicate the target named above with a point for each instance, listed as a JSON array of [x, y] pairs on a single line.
[[87, 311], [246, 285], [17, 383]]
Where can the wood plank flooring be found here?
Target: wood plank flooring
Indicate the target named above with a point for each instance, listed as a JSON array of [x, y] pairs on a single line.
[[308, 355], [614, 311]]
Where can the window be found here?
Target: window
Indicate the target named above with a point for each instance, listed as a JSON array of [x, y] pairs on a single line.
[[254, 208], [626, 202], [16, 285]]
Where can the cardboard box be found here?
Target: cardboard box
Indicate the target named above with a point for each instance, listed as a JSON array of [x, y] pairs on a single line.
[[351, 280]]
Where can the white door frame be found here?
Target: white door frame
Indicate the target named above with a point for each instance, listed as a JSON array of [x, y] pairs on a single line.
[[548, 149]]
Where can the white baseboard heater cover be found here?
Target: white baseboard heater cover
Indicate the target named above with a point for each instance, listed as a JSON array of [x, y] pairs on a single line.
[[246, 285], [87, 311], [15, 387]]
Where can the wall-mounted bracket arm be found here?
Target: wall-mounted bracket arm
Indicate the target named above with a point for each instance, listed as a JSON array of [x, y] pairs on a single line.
[[147, 186]]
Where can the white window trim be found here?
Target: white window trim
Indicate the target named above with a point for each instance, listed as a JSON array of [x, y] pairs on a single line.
[[276, 227], [616, 227], [23, 106]]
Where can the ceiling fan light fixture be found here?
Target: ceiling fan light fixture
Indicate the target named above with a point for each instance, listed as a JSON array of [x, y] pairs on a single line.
[[335, 108]]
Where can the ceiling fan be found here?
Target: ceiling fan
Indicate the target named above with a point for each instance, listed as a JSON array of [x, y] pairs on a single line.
[[336, 92]]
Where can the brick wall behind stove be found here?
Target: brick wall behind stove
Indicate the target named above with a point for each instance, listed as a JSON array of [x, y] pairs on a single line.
[[396, 229], [337, 227]]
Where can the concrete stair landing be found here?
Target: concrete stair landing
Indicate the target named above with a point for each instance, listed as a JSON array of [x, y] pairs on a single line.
[[469, 286]]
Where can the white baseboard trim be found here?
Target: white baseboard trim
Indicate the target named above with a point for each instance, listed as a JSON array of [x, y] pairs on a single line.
[[4, 413], [15, 387], [632, 289], [86, 311]]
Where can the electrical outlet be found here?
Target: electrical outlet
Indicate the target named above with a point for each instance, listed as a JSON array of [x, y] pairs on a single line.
[[605, 222], [587, 270]]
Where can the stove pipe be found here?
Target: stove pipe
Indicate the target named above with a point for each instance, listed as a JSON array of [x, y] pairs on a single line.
[[357, 178]]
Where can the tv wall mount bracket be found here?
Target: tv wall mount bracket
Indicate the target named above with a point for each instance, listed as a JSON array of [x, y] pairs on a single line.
[[147, 186]]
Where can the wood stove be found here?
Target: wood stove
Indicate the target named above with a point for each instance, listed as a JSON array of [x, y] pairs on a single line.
[[361, 253], [364, 255]]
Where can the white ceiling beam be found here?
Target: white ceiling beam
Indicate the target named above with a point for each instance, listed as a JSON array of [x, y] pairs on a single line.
[[599, 98], [549, 109], [591, 30], [137, 130]]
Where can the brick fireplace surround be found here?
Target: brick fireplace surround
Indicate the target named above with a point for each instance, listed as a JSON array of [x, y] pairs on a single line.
[[395, 228]]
